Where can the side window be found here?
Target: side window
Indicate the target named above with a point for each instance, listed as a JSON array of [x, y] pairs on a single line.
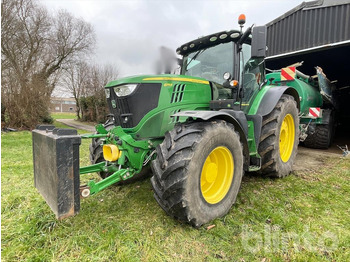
[[245, 56], [251, 70], [254, 66]]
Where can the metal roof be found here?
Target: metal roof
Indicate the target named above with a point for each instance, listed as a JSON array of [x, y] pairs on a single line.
[[310, 5], [309, 26]]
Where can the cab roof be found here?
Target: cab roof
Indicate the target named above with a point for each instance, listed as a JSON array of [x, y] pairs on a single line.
[[209, 41]]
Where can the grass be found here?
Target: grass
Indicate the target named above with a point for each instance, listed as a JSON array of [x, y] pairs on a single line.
[[67, 115], [304, 217]]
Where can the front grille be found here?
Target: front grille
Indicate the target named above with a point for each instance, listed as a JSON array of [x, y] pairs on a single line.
[[129, 110], [123, 112]]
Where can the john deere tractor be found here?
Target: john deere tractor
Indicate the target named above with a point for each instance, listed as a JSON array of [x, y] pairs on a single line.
[[199, 131]]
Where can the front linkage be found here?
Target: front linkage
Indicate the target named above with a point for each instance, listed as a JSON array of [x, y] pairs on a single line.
[[124, 157]]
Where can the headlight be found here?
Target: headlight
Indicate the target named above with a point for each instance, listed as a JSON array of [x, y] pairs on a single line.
[[108, 92], [227, 76], [124, 90]]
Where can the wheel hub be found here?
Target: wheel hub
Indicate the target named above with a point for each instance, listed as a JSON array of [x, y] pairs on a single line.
[[287, 137], [217, 175], [211, 172]]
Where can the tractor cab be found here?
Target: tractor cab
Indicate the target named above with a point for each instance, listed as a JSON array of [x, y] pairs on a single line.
[[225, 59]]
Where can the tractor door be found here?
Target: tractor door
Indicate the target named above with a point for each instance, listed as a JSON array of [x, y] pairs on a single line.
[[252, 75]]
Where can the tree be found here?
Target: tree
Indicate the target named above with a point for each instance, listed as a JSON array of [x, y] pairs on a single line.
[[93, 101], [35, 47], [75, 80], [85, 82]]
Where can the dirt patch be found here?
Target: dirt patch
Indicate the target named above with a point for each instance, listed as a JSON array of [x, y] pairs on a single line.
[[312, 159], [77, 124]]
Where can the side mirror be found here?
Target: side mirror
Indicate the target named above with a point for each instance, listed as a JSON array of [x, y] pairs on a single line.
[[259, 41]]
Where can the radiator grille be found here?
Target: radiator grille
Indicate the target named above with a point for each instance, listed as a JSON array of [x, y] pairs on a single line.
[[129, 110]]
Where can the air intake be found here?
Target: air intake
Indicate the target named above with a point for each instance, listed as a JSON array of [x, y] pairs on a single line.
[[178, 93]]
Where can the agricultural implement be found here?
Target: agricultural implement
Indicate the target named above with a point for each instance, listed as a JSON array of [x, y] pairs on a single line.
[[198, 131]]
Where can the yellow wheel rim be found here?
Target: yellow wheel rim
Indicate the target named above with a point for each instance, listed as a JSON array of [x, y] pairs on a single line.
[[287, 136], [217, 175]]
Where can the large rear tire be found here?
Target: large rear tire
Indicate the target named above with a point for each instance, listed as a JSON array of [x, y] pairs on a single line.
[[322, 137], [279, 138], [198, 171]]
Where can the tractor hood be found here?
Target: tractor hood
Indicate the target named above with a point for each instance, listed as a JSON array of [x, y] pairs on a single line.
[[154, 97], [156, 79]]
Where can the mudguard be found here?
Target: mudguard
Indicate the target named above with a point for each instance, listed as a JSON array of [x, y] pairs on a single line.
[[270, 99], [327, 115], [233, 117]]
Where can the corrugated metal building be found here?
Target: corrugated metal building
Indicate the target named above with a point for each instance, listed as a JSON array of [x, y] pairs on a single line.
[[310, 25], [318, 33]]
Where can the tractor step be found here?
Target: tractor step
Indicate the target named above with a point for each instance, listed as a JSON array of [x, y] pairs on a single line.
[[254, 168], [56, 168], [255, 164]]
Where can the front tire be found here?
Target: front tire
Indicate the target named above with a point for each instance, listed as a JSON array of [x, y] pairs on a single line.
[[279, 138], [96, 152], [198, 171]]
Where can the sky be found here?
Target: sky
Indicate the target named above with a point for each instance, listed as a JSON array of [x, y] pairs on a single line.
[[130, 32]]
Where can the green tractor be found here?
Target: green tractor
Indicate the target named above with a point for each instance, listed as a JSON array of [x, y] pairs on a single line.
[[198, 131]]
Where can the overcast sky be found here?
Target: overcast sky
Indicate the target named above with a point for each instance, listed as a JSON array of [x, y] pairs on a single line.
[[129, 33]]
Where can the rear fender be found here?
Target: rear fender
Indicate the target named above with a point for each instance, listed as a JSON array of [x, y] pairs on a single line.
[[237, 121], [272, 96]]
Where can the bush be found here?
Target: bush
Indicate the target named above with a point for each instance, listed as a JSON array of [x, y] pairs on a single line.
[[47, 119], [94, 108], [25, 110]]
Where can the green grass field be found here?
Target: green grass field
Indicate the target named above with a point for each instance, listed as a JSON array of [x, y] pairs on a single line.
[[63, 116], [304, 217]]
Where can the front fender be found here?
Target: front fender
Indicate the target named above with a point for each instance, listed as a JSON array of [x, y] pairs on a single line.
[[234, 117]]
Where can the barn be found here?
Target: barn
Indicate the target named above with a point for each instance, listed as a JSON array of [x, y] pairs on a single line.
[[316, 33]]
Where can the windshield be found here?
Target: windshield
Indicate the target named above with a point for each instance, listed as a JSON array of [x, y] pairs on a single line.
[[210, 63]]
